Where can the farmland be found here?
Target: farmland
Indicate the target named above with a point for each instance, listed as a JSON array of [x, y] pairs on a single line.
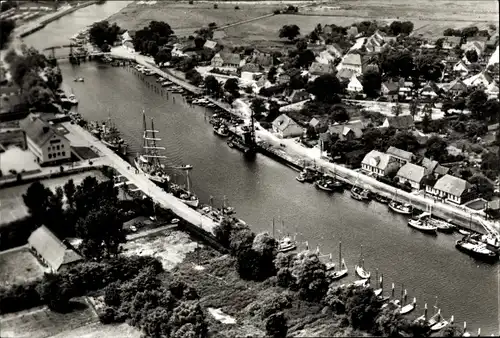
[[18, 266]]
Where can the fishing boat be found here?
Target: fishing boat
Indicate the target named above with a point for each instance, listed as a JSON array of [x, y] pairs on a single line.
[[475, 249], [442, 226], [381, 199], [341, 271], [490, 241], [361, 282], [222, 131], [408, 307], [79, 79], [286, 244], [110, 136], [149, 162], [328, 184], [308, 174], [72, 99], [360, 194], [422, 318], [237, 143], [401, 208], [330, 265], [184, 193], [422, 226], [442, 323], [464, 232], [360, 269]]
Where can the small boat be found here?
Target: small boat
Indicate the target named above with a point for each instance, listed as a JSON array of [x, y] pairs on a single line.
[[464, 232], [476, 250], [440, 322], [378, 292], [360, 269], [322, 185], [381, 199], [360, 194], [422, 226], [222, 131], [286, 244], [72, 99], [401, 208], [308, 174], [330, 265], [361, 282], [328, 184], [301, 178], [408, 307], [228, 210], [79, 79], [442, 226], [342, 270]]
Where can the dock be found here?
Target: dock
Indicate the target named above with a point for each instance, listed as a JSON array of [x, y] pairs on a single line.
[[158, 195]]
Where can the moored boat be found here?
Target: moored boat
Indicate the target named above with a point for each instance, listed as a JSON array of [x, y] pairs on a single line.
[[286, 244], [222, 130], [360, 268], [476, 250], [422, 226], [401, 208], [328, 184], [408, 307], [360, 194], [72, 99], [341, 270], [381, 199]]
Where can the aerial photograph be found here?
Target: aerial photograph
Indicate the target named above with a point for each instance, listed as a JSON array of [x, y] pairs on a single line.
[[249, 168]]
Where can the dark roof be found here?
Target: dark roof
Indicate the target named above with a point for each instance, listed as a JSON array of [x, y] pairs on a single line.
[[299, 94], [457, 85], [452, 185], [263, 60], [396, 152], [401, 121], [231, 58], [250, 67], [441, 171], [38, 130], [345, 74], [391, 86], [431, 86], [320, 68], [52, 250], [429, 165], [412, 172]]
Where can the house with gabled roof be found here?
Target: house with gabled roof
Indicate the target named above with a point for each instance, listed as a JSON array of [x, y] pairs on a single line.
[[286, 76], [226, 60], [263, 60], [456, 87], [376, 162], [452, 189], [51, 251], [319, 69], [348, 131], [399, 155], [320, 125], [412, 174], [212, 45], [335, 50], [353, 62], [325, 57], [430, 90], [344, 75], [299, 95], [449, 42], [355, 85], [390, 90], [251, 68], [492, 89], [461, 68], [285, 127], [401, 122], [44, 141], [478, 46], [482, 79], [352, 31]]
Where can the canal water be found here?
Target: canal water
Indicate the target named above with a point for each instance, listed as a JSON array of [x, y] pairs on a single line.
[[261, 190]]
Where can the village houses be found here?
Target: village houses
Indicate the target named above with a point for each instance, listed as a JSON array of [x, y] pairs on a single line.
[[400, 156], [352, 62], [412, 174], [376, 163], [355, 85], [390, 90], [285, 127], [451, 189], [226, 60], [401, 122]]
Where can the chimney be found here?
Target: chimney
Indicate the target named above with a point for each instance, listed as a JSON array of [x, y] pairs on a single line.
[[45, 129]]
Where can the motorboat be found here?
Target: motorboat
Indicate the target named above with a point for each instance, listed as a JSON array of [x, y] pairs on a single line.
[[328, 184], [166, 83], [361, 282], [442, 226], [464, 232], [422, 226], [440, 322], [360, 194], [381, 199], [286, 244], [222, 131], [72, 99], [401, 208], [79, 79], [476, 250]]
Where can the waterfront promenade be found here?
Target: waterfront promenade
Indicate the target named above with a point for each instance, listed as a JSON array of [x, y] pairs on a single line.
[[140, 181]]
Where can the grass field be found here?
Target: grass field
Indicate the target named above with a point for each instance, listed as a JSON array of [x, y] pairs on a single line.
[[185, 18], [11, 200], [98, 330], [17, 266], [42, 323]]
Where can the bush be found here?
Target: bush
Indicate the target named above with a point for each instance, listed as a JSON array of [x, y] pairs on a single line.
[[236, 7], [216, 6]]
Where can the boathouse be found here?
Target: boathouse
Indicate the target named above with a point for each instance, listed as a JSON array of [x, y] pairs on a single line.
[[51, 251]]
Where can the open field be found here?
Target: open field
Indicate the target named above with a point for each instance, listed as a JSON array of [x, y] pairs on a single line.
[[98, 330], [11, 200], [185, 18], [42, 323], [18, 266]]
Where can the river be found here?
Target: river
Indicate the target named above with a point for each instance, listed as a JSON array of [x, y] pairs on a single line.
[[264, 189]]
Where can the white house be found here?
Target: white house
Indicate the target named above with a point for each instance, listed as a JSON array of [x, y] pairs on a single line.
[[452, 189], [44, 141], [461, 67], [411, 173], [494, 58], [325, 58], [479, 80], [376, 162], [355, 85], [352, 62], [478, 46], [285, 127]]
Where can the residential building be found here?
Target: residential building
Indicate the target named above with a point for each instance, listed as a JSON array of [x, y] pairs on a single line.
[[251, 68], [299, 95], [320, 125], [376, 162], [452, 189], [482, 79], [335, 50], [212, 45], [430, 90], [344, 75], [492, 89], [285, 77], [319, 69], [400, 156], [401, 122], [456, 87], [347, 132], [44, 141], [285, 127], [352, 31], [263, 60], [494, 59], [325, 57], [449, 42], [478, 46], [51, 251], [352, 62], [355, 85], [412, 174], [461, 68], [390, 90], [226, 60]]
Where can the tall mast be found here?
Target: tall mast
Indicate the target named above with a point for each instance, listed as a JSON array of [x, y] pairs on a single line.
[[145, 133], [340, 253], [188, 181], [273, 227]]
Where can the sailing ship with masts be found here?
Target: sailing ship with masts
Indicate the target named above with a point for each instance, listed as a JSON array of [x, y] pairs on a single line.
[[148, 163], [184, 193]]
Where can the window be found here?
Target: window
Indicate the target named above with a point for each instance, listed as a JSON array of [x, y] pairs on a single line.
[[58, 147], [62, 146], [58, 154], [55, 141], [50, 155], [63, 153]]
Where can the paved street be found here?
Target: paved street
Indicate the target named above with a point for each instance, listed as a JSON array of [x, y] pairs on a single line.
[[143, 183]]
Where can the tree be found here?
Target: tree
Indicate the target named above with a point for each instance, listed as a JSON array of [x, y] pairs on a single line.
[[289, 31], [305, 58], [6, 28], [194, 77], [413, 108], [452, 331], [189, 312], [56, 291], [310, 276], [428, 66], [395, 28], [157, 32], [212, 85], [339, 114], [436, 148], [475, 103], [258, 106], [232, 86], [301, 45], [491, 109], [483, 186], [36, 200], [325, 88], [471, 55], [276, 325], [406, 27], [372, 81], [271, 75], [69, 192], [101, 33], [396, 110], [405, 141], [102, 232]]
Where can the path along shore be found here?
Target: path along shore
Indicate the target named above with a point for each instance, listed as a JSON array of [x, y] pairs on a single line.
[[459, 214]]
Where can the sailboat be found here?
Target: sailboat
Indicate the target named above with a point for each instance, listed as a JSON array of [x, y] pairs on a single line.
[[441, 323], [378, 292], [149, 162], [360, 269], [185, 194], [441, 226], [405, 309], [285, 244], [110, 136], [342, 270], [400, 208]]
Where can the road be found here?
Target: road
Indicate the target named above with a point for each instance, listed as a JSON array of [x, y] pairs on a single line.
[[149, 188]]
